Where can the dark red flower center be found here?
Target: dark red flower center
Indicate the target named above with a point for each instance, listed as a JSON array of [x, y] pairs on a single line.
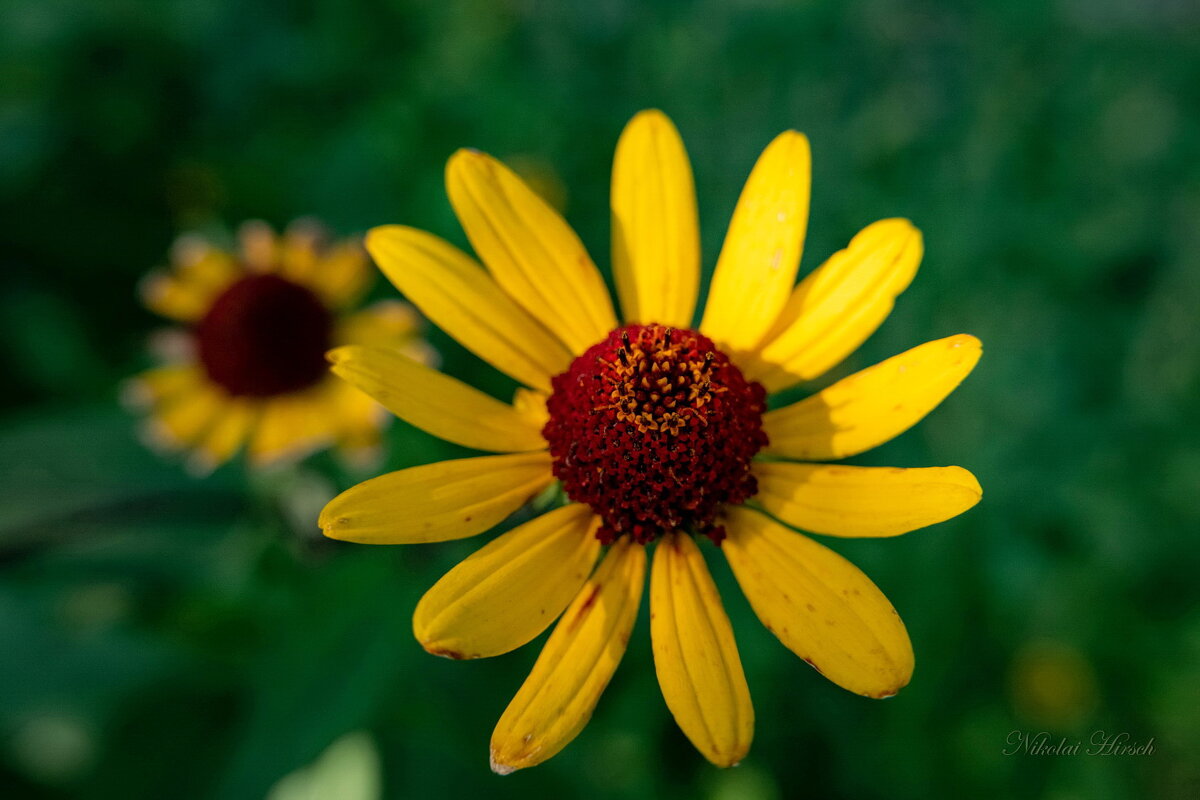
[[264, 336], [654, 428]]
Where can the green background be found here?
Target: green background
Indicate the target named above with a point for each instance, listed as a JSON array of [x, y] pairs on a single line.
[[162, 636]]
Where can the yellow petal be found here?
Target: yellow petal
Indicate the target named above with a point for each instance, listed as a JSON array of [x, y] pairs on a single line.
[[155, 386], [342, 274], [198, 274], [358, 422], [299, 248], [259, 246], [186, 291], [655, 229], [822, 607], [872, 406], [174, 299], [291, 427], [464, 301], [532, 252], [839, 305], [225, 436], [436, 403], [557, 699], [505, 594], [436, 502], [532, 405], [182, 421], [387, 322], [758, 262], [863, 501], [695, 655]]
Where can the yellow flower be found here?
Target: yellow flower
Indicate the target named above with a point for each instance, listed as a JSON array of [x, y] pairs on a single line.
[[658, 432], [250, 366]]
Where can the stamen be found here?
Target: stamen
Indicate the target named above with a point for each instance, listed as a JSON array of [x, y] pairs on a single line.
[[654, 428]]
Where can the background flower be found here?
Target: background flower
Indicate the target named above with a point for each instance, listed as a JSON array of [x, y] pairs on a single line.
[[162, 638], [248, 366]]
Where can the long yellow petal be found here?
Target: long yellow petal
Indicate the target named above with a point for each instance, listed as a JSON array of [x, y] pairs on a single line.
[[505, 594], [655, 227], [863, 501], [532, 252], [822, 607], [873, 406], [436, 502], [464, 301], [434, 402], [758, 262], [839, 305], [695, 655], [558, 697]]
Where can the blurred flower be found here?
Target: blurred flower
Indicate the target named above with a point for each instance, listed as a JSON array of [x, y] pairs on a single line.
[[348, 769], [53, 747], [652, 427], [250, 368], [1053, 685]]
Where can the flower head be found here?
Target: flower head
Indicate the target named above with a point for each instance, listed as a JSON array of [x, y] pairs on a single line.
[[248, 366], [654, 428], [659, 434]]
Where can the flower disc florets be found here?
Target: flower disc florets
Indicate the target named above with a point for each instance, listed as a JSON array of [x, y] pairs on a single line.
[[654, 428], [264, 336]]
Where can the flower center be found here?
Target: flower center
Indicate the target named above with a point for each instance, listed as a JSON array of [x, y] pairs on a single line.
[[264, 336], [654, 428]]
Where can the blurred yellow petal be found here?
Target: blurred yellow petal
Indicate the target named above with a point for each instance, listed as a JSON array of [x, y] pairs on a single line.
[[863, 501], [505, 594], [822, 607], [198, 273], [160, 384], [557, 699], [259, 246], [168, 297], [436, 502], [299, 249], [758, 262], [695, 655], [386, 322], [532, 252], [226, 435], [342, 274], [181, 421], [464, 301], [839, 305], [290, 427], [358, 422], [655, 229], [434, 402], [872, 406]]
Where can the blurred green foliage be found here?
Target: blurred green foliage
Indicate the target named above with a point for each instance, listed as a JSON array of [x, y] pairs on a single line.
[[166, 637]]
